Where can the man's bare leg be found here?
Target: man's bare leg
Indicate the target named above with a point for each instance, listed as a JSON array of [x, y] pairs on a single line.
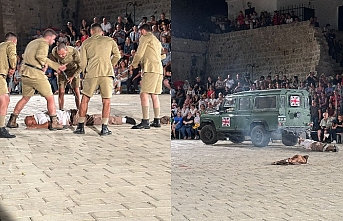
[[82, 115], [4, 102], [156, 105], [61, 92], [77, 97], [145, 111], [106, 109]]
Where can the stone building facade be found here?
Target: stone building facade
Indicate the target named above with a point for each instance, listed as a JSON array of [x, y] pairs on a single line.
[[292, 49], [25, 16]]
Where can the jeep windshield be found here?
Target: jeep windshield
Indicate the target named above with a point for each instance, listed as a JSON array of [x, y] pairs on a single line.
[[229, 103]]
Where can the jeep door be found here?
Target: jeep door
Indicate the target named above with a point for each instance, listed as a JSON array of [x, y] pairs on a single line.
[[265, 112], [227, 120], [243, 115]]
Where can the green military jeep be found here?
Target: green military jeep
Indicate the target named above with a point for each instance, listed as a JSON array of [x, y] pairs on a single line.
[[262, 115]]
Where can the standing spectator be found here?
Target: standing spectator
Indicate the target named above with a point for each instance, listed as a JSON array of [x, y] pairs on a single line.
[[163, 21], [180, 96], [199, 86], [70, 28], [229, 83], [316, 114], [84, 26], [106, 26], [209, 83], [134, 36], [219, 85], [166, 33], [152, 21], [143, 21], [128, 26]]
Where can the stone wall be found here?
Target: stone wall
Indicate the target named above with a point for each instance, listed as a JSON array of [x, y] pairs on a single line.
[[188, 59], [286, 49]]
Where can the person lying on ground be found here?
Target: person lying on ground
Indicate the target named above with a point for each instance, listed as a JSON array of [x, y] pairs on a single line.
[[70, 117]]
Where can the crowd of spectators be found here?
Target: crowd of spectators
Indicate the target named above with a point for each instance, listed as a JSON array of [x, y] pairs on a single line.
[[253, 20], [125, 32]]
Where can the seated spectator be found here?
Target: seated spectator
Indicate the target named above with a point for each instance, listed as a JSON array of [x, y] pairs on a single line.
[[329, 90], [337, 126], [195, 100], [193, 109], [156, 32], [188, 100], [324, 132], [190, 91], [184, 110], [188, 123], [323, 102], [331, 111], [78, 44], [177, 124], [180, 96], [211, 92], [84, 35], [173, 104], [121, 75], [238, 88], [128, 47], [311, 79], [202, 109]]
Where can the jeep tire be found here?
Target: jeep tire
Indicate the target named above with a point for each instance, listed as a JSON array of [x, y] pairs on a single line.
[[289, 139], [259, 136], [208, 135]]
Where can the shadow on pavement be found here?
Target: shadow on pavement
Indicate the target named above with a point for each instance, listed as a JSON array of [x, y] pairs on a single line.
[[4, 215]]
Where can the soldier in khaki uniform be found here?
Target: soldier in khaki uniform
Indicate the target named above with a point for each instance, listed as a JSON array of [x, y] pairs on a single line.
[[35, 63], [8, 61], [70, 56], [97, 66], [149, 52]]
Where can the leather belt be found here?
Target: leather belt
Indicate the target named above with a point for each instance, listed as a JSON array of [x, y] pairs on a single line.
[[32, 66]]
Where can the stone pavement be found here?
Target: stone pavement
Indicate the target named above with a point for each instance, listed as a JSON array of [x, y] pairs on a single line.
[[229, 181], [48, 175]]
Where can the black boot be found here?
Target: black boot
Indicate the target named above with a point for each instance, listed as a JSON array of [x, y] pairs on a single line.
[[105, 131], [130, 120], [143, 125], [156, 123], [5, 134], [80, 129], [12, 122]]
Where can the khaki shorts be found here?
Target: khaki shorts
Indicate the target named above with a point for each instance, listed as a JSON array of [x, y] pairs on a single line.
[[91, 84], [62, 82], [151, 83], [29, 85], [3, 85]]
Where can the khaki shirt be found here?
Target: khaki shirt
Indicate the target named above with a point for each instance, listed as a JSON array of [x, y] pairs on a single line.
[[8, 58], [36, 54], [72, 60], [149, 52], [96, 54]]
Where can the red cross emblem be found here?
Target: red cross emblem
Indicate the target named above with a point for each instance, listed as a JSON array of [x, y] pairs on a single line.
[[295, 101], [225, 122]]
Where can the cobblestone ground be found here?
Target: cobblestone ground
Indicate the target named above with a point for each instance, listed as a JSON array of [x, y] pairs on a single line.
[[48, 175], [227, 181]]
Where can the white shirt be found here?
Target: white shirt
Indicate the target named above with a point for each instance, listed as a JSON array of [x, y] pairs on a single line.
[[62, 116], [106, 27], [230, 83], [307, 143]]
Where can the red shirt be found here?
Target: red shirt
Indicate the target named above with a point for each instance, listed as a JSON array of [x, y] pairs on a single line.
[[84, 37]]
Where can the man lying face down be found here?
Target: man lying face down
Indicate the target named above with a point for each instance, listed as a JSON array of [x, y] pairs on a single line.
[[70, 117]]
